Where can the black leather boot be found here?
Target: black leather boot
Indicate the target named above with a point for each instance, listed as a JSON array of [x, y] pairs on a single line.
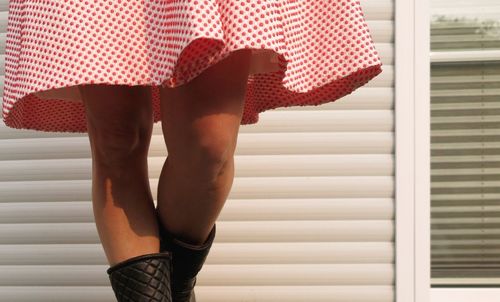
[[143, 278], [187, 261]]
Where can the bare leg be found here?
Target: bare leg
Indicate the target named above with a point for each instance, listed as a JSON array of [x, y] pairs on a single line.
[[119, 121], [200, 123]]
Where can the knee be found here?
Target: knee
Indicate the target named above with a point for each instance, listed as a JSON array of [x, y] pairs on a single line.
[[214, 153], [118, 146], [207, 156]]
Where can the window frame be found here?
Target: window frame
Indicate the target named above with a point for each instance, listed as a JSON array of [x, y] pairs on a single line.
[[412, 150], [412, 156], [483, 293]]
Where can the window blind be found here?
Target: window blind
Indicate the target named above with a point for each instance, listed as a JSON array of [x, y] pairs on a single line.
[[465, 142]]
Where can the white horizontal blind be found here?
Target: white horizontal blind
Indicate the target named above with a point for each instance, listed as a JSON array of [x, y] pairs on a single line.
[[309, 218], [465, 142]]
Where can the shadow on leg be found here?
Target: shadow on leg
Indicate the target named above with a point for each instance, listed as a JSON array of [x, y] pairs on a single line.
[[119, 122], [200, 123]]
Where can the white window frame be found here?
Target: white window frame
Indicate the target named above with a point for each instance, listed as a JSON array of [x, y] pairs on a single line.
[[463, 294], [412, 156], [412, 150]]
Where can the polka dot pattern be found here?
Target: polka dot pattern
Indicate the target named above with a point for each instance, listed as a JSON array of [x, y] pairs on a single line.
[[305, 52]]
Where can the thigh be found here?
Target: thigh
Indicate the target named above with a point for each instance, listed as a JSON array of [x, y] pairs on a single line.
[[119, 117], [206, 112]]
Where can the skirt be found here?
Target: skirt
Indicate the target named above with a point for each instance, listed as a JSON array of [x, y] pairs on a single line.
[[304, 52]]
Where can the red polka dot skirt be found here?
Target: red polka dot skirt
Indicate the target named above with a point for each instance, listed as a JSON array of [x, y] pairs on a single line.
[[305, 52]]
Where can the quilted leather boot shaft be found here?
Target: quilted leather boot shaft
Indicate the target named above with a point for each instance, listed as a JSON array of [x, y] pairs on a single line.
[[143, 278], [187, 261]]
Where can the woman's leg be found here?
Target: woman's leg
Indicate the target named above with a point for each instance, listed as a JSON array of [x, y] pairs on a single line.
[[200, 123], [119, 121]]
